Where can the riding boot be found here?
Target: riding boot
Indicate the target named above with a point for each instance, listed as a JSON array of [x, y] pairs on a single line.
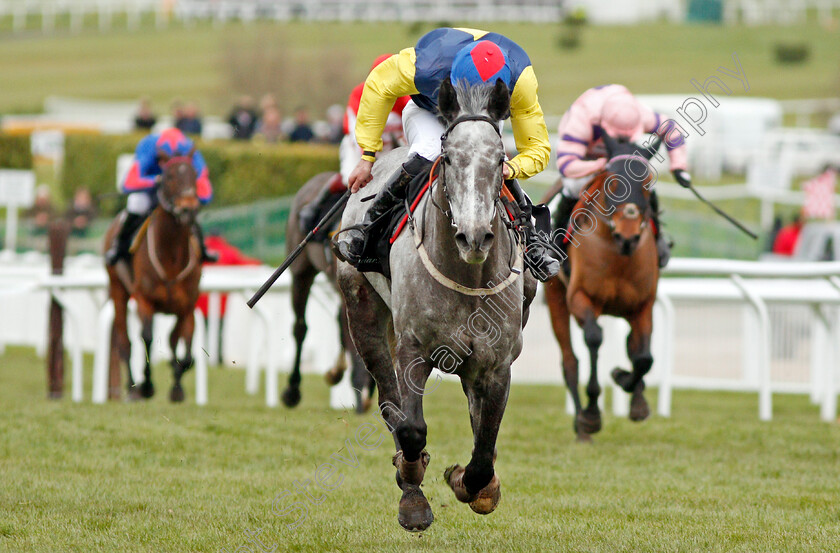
[[352, 244], [122, 241], [206, 256], [307, 218], [663, 241], [563, 215], [539, 259]]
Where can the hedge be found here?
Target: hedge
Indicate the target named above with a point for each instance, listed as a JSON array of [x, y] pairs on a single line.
[[241, 172], [15, 152]]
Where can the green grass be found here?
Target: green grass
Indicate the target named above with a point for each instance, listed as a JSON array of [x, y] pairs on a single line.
[[191, 62], [157, 477]]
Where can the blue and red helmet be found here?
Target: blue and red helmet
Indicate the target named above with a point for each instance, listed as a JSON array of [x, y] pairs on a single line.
[[480, 62], [173, 143]]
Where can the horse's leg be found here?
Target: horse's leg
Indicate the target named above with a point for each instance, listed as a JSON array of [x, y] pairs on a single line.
[[638, 350], [336, 373], [589, 420], [411, 459], [360, 378], [146, 313], [301, 285], [184, 329], [555, 295], [120, 344], [478, 484], [371, 328]]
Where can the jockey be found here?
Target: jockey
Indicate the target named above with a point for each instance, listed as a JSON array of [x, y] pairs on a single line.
[[463, 55], [581, 153], [349, 151], [141, 187]]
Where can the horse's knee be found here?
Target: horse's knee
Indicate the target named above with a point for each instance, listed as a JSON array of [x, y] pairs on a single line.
[[592, 334], [412, 438], [300, 330], [477, 475], [642, 363]]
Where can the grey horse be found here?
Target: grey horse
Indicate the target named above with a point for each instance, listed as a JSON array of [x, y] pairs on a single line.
[[457, 301]]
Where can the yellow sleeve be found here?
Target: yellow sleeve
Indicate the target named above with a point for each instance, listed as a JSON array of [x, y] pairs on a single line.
[[529, 132], [388, 81]]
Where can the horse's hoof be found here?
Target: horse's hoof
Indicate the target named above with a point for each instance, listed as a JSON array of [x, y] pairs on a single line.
[[147, 389], [454, 476], [488, 498], [639, 409], [333, 376], [291, 397], [589, 422], [621, 377], [176, 394], [415, 513]]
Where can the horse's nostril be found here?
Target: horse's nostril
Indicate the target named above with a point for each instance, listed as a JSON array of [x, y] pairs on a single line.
[[461, 240], [488, 240]]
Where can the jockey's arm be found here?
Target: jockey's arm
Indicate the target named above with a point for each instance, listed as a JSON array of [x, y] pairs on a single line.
[[204, 190], [655, 123], [575, 136], [388, 81], [529, 132]]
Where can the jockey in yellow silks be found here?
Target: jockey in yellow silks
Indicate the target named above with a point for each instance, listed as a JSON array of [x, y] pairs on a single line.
[[464, 56]]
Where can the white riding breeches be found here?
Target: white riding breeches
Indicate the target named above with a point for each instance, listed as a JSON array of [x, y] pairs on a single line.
[[422, 131], [349, 155], [140, 203], [572, 188]]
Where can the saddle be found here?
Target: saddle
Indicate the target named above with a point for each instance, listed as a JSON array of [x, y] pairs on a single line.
[[383, 232]]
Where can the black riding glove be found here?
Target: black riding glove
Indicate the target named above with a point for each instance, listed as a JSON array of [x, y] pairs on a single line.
[[683, 177]]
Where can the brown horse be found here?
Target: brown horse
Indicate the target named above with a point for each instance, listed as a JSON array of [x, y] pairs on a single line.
[[614, 271], [163, 275], [317, 258]]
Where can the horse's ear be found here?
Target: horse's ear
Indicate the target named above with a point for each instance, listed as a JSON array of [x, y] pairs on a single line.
[[648, 153], [162, 156], [448, 100], [498, 107], [610, 143]]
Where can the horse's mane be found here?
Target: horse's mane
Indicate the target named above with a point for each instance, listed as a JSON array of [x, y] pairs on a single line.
[[473, 98]]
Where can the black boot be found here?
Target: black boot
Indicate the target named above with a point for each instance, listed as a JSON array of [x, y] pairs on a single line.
[[663, 241], [206, 256], [538, 257], [351, 245], [122, 242], [307, 218]]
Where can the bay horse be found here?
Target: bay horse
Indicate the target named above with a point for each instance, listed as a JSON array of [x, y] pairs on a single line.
[[457, 300], [614, 271], [316, 258], [162, 276]]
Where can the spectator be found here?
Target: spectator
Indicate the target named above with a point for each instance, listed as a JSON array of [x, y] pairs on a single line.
[[267, 102], [335, 120], [41, 211], [243, 119], [177, 110], [145, 119], [190, 120], [788, 237], [270, 125], [303, 130], [81, 213]]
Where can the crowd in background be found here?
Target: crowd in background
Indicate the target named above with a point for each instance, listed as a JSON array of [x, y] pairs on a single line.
[[263, 122]]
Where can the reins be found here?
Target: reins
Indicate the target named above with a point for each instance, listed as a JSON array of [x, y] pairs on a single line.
[[192, 253]]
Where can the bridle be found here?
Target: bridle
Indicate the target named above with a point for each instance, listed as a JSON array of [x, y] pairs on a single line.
[[445, 157], [163, 200]]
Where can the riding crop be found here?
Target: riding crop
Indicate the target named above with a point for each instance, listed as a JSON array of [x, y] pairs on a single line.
[[334, 210]]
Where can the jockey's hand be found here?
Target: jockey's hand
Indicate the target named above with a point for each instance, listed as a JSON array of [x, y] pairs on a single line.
[[360, 176], [683, 177], [507, 172]]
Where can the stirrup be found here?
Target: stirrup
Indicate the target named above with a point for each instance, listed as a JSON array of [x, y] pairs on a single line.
[[351, 248]]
